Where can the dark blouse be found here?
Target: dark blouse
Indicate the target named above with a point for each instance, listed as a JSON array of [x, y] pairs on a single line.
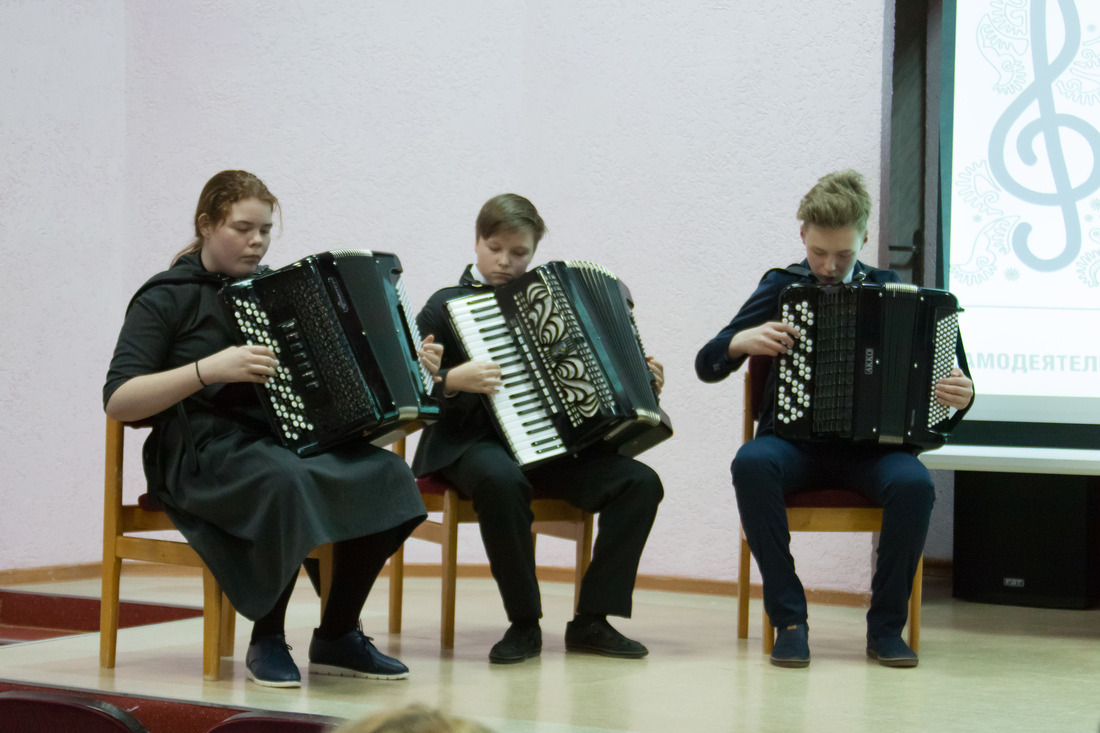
[[252, 509]]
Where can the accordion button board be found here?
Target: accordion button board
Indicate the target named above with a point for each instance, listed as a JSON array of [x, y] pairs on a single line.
[[341, 329], [865, 365]]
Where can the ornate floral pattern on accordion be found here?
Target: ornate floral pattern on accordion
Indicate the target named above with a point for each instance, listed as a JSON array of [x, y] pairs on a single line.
[[341, 327], [573, 365], [866, 364]]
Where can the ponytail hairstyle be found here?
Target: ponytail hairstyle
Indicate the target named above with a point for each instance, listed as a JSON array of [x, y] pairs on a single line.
[[217, 198]]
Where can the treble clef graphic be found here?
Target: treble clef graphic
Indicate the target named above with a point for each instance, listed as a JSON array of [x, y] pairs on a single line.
[[1048, 124]]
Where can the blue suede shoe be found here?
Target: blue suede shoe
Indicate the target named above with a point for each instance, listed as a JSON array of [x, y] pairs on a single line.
[[792, 646], [891, 651], [353, 655], [269, 664]]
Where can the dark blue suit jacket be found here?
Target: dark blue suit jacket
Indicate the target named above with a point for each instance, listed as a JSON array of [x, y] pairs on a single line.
[[713, 364]]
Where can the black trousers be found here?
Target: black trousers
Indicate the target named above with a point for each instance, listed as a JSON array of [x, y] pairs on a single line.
[[622, 491], [767, 468]]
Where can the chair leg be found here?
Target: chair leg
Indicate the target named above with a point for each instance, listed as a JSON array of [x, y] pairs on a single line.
[[112, 565], [211, 626], [743, 590], [589, 534], [397, 588], [584, 558], [769, 634], [325, 568], [228, 630], [108, 612], [450, 568], [914, 606]]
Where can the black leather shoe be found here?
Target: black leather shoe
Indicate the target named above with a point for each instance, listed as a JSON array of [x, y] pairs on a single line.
[[353, 655], [596, 636], [891, 651], [518, 643], [269, 664]]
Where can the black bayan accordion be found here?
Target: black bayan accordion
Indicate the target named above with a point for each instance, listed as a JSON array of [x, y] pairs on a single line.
[[572, 363], [866, 365], [339, 324]]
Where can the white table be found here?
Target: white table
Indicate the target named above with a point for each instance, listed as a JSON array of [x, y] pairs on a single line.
[[1013, 460]]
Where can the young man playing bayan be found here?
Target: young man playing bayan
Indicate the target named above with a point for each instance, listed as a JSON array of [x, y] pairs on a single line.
[[834, 218], [464, 448]]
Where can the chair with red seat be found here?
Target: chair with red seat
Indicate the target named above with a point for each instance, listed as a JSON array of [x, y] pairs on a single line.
[[553, 517], [829, 509]]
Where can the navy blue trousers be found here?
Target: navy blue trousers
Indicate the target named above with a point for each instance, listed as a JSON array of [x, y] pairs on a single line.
[[768, 468], [622, 491]]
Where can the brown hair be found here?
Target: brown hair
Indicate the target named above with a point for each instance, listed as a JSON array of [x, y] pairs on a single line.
[[839, 199], [217, 198], [509, 212], [412, 719]]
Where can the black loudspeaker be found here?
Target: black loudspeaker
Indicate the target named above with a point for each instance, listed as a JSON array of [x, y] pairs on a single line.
[[1027, 539]]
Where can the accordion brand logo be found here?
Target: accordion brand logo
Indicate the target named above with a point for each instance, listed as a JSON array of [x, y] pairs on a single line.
[[869, 361]]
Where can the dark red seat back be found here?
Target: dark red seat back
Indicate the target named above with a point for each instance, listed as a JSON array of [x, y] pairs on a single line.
[[49, 712], [272, 722]]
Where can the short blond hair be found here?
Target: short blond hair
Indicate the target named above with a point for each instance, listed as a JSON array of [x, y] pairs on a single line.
[[838, 199], [412, 719]]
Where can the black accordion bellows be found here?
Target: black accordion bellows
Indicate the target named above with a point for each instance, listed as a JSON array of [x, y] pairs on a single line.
[[866, 365], [573, 365], [341, 327]]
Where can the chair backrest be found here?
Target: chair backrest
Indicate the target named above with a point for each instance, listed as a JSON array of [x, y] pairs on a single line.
[[756, 378], [49, 712], [147, 514], [272, 722]]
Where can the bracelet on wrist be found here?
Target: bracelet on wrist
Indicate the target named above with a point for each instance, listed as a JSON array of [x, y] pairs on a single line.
[[204, 384]]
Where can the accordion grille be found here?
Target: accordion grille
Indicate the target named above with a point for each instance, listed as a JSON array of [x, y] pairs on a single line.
[[943, 359]]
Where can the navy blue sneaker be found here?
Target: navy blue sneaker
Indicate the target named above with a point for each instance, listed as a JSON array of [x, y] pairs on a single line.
[[891, 651], [269, 664], [792, 646], [353, 655]]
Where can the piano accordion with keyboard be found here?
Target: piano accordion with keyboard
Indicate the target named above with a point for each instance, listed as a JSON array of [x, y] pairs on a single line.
[[865, 367], [573, 365], [341, 327]]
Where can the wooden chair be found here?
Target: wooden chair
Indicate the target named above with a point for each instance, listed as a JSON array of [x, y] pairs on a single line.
[[829, 509], [122, 540], [553, 517]]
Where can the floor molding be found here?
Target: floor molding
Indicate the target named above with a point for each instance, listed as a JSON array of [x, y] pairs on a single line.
[[669, 583]]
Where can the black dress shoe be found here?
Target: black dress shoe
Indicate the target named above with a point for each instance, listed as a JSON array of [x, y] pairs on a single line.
[[269, 664], [518, 643], [596, 636]]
